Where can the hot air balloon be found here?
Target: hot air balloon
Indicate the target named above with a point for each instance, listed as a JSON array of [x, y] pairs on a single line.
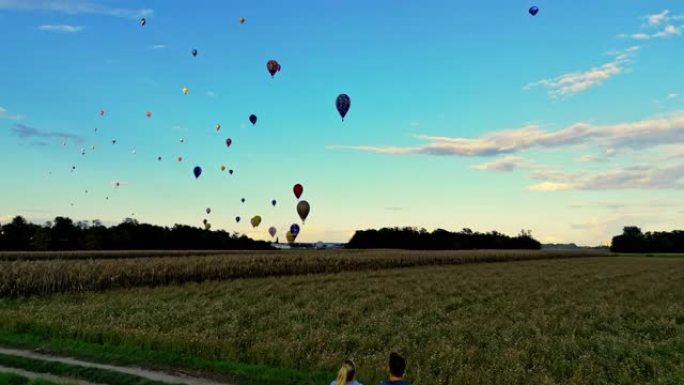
[[255, 221], [242, 20], [230, 171], [148, 114], [294, 229], [272, 231], [159, 158], [194, 52], [229, 141], [180, 158], [185, 90], [204, 221], [95, 129], [272, 66], [237, 219], [290, 237], [208, 210], [101, 112], [298, 189], [197, 171], [223, 168], [181, 140], [534, 10], [343, 103], [83, 151], [207, 226], [253, 119], [273, 202], [113, 141], [92, 147], [143, 21], [303, 209], [218, 127], [242, 200]]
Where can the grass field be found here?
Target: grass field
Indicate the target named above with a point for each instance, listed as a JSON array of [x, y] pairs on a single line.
[[617, 320], [40, 277]]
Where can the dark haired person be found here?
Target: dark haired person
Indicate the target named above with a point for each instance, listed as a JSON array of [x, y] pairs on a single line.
[[397, 368], [346, 374]]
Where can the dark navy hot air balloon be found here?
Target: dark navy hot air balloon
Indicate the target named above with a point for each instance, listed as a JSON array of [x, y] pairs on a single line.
[[343, 103], [273, 202], [229, 141], [534, 10], [272, 66], [197, 171], [237, 219], [294, 229], [253, 119], [194, 52]]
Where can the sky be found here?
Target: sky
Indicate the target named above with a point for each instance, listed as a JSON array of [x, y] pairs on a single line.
[[568, 123]]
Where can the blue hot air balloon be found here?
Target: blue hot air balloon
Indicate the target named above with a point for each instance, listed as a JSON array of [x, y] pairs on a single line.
[[253, 119], [194, 52], [197, 171], [534, 10], [294, 229], [229, 141], [343, 103]]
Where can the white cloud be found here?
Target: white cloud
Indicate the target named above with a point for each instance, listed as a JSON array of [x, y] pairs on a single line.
[[574, 82], [211, 94], [158, 46], [61, 28], [551, 186], [504, 164], [590, 158], [639, 134], [73, 7], [658, 18], [672, 95], [668, 31]]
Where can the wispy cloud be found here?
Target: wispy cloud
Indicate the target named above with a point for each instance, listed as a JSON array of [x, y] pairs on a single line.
[[665, 19], [668, 31], [73, 7], [574, 82], [211, 94], [505, 164], [27, 132], [4, 114], [61, 28], [590, 158], [672, 95], [158, 46], [638, 135]]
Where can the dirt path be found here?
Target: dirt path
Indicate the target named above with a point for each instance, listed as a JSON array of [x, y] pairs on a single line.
[[44, 376], [144, 373]]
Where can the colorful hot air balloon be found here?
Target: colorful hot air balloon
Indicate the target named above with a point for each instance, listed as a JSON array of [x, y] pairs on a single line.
[[194, 52], [223, 168], [208, 210], [273, 202], [101, 112], [253, 119], [242, 20], [303, 209], [298, 189], [180, 158], [255, 221], [272, 231], [185, 90], [272, 66], [148, 114], [197, 171], [237, 219], [218, 127], [534, 10], [343, 102], [294, 229], [143, 21], [229, 141], [290, 237]]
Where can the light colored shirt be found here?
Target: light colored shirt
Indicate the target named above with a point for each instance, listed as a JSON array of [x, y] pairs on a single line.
[[354, 382]]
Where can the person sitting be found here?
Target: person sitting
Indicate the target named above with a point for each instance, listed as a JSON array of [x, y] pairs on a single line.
[[346, 374], [397, 368]]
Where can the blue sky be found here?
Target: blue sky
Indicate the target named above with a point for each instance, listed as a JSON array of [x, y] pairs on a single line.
[[568, 123]]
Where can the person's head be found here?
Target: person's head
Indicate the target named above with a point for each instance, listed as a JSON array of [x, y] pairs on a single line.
[[346, 373], [397, 365]]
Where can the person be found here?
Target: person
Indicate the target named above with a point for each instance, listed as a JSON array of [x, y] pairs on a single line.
[[346, 374], [397, 368]]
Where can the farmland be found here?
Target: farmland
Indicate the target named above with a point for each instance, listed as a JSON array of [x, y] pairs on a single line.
[[568, 320]]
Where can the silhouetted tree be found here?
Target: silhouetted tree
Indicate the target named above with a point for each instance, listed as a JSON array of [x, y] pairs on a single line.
[[633, 240]]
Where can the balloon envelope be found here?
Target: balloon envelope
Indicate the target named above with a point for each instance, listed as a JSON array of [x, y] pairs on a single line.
[[101, 112], [534, 10], [290, 237], [343, 103], [237, 219], [229, 141], [242, 20], [298, 189], [303, 209], [194, 52], [294, 229], [208, 210], [253, 119], [185, 90], [143, 21], [256, 220], [272, 66], [273, 202], [272, 231], [197, 171], [223, 168]]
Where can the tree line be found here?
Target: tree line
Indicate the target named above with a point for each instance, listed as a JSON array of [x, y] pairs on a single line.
[[64, 234], [632, 240], [415, 239]]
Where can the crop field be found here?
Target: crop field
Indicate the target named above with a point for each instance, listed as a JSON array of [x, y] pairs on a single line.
[[599, 320], [36, 277]]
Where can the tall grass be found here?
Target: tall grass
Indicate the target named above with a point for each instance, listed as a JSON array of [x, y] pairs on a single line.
[[25, 278]]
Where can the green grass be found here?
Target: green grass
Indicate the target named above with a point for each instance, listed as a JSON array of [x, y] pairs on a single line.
[[95, 375], [13, 379], [574, 321]]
